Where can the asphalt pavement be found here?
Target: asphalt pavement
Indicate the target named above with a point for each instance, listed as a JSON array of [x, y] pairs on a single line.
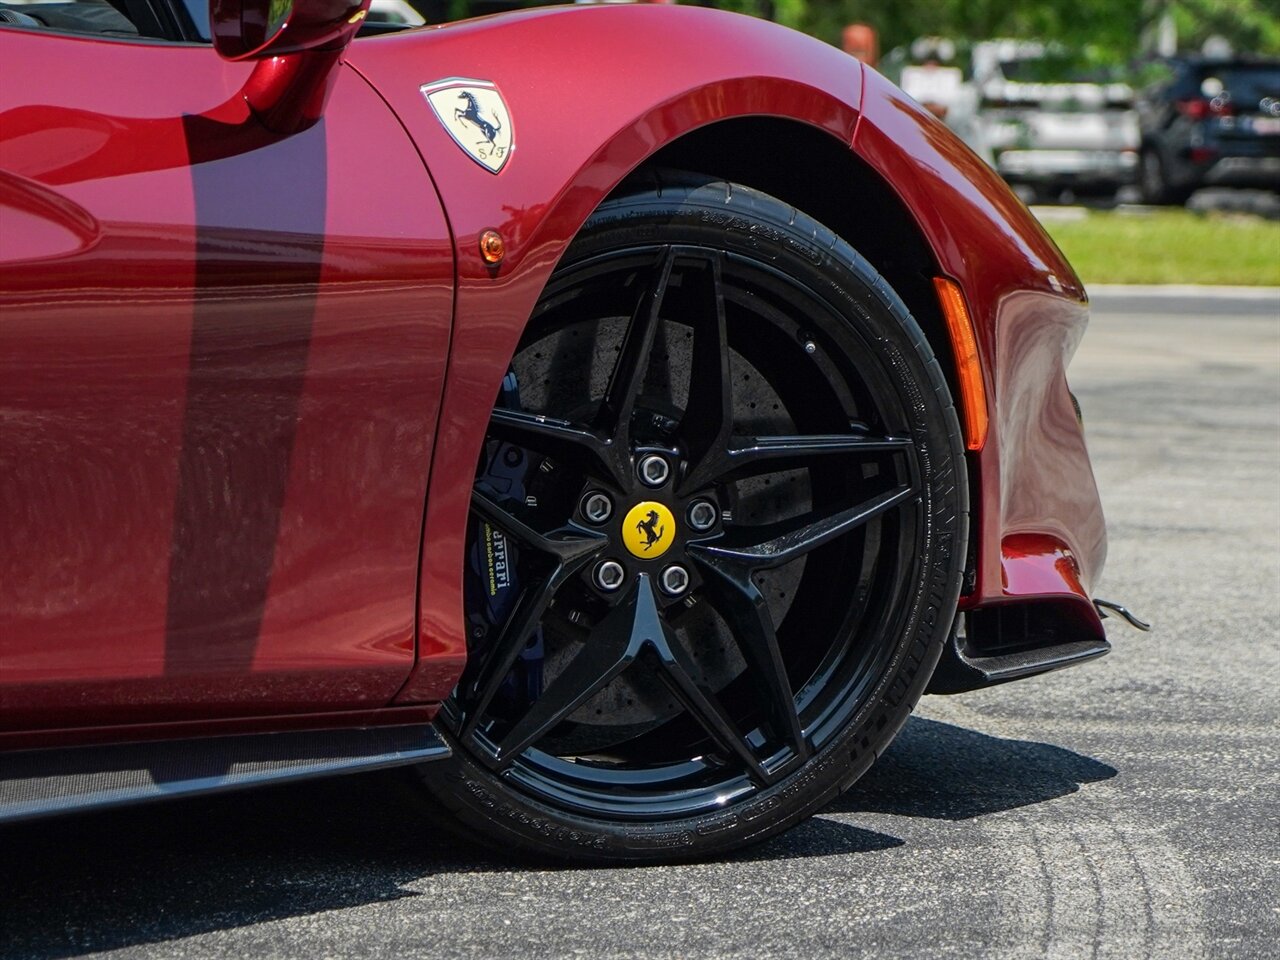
[[1125, 808]]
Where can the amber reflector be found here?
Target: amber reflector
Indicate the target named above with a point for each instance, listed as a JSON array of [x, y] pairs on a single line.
[[492, 247], [973, 391]]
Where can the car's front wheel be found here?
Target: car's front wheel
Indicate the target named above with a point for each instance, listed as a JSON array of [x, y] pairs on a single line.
[[716, 540]]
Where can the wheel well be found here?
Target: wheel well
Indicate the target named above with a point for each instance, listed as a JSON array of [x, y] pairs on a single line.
[[816, 173]]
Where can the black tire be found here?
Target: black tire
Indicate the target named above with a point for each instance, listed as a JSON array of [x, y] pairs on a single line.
[[1047, 196], [654, 771], [1153, 181]]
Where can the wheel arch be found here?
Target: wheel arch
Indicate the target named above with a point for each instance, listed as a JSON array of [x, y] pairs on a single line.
[[819, 175], [808, 167]]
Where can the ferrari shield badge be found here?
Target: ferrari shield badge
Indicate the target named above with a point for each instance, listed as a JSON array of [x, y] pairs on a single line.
[[475, 115]]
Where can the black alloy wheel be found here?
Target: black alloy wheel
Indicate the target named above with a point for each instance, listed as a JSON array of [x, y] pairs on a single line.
[[716, 540]]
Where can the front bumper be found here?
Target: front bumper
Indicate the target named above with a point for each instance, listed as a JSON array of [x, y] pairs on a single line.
[[1022, 639], [1068, 166], [1016, 640], [1259, 172]]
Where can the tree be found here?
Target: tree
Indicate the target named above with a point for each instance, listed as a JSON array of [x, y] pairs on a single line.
[[1108, 30], [1249, 25]]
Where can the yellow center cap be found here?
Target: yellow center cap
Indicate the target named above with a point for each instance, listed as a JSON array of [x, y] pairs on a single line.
[[648, 529]]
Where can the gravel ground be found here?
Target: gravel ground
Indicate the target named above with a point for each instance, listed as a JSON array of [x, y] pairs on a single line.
[[1127, 808]]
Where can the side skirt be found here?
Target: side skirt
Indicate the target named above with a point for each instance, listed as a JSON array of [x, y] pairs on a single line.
[[40, 783]]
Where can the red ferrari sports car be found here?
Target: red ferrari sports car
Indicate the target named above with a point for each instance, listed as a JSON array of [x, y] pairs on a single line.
[[618, 416]]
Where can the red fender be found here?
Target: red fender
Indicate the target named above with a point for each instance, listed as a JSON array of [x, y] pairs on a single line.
[[591, 93], [1039, 525]]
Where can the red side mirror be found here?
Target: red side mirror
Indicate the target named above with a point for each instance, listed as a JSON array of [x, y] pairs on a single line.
[[254, 29]]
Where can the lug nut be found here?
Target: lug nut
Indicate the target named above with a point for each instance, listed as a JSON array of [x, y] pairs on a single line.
[[609, 575], [674, 580], [702, 515], [654, 470], [596, 507]]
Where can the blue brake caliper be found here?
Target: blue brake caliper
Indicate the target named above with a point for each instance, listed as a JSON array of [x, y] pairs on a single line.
[[494, 559]]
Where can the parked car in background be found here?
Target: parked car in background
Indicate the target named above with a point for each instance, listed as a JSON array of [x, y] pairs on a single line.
[[1043, 123], [1210, 122]]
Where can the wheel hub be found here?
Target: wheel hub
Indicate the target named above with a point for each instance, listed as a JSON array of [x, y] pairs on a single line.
[[649, 529]]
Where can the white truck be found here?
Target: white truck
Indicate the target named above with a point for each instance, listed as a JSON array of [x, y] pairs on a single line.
[[1044, 126]]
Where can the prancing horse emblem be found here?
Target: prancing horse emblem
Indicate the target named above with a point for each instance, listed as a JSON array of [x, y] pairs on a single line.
[[650, 529], [471, 114], [476, 116], [644, 529]]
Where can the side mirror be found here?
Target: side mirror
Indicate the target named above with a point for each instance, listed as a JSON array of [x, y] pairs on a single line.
[[297, 44], [254, 29]]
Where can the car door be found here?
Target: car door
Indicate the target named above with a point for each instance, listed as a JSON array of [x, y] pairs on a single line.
[[221, 356]]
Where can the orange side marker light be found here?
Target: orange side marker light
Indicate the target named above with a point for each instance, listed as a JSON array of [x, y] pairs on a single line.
[[973, 390], [492, 247]]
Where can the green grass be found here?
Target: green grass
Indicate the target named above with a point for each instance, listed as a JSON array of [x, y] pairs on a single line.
[[1170, 246]]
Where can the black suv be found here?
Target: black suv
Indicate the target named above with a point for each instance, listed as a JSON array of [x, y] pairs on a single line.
[[1212, 123]]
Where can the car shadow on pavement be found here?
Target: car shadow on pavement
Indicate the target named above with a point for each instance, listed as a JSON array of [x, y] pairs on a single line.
[[944, 772], [158, 873]]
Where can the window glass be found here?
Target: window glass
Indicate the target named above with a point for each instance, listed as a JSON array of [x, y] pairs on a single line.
[[1248, 84], [198, 18], [77, 16]]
